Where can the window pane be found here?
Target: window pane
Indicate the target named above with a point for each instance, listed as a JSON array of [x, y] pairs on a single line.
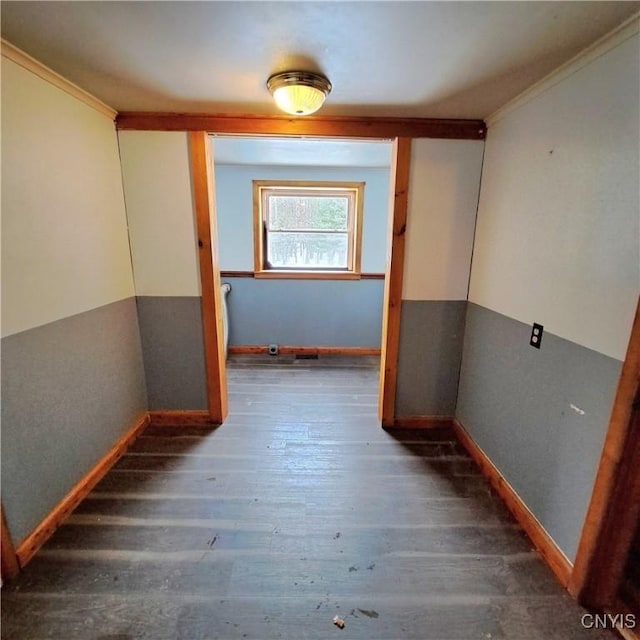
[[292, 213], [307, 250]]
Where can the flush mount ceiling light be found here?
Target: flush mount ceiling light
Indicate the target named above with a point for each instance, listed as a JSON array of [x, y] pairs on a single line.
[[299, 92]]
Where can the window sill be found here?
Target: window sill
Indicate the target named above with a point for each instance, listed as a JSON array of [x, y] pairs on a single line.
[[307, 275]]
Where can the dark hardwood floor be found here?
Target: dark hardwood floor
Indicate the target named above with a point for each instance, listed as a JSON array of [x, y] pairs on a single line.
[[298, 509]]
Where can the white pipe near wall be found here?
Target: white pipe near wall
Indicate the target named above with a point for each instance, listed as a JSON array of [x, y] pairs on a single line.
[[225, 288]]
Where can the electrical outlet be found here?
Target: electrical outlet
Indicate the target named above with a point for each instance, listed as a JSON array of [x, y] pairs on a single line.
[[536, 335]]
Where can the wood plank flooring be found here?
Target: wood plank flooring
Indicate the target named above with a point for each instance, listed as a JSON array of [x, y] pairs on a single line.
[[298, 509]]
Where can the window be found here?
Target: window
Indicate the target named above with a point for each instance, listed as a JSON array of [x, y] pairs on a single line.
[[307, 229]]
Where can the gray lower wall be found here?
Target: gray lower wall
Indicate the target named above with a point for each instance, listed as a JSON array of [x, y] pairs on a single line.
[[332, 313], [431, 337], [173, 350], [70, 389], [515, 402]]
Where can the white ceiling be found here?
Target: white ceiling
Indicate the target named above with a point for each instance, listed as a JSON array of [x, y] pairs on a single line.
[[422, 59], [307, 152]]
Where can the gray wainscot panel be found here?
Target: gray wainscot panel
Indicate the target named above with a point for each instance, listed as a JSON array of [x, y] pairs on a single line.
[[333, 313], [70, 389], [431, 336], [173, 349], [540, 415]]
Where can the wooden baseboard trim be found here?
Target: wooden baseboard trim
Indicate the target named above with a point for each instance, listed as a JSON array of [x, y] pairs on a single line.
[[181, 419], [30, 545], [542, 541], [423, 422], [286, 350]]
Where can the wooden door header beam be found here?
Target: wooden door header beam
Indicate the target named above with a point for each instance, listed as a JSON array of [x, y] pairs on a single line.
[[315, 126]]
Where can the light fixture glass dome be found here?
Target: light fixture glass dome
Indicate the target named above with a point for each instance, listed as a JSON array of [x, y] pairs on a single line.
[[299, 93]]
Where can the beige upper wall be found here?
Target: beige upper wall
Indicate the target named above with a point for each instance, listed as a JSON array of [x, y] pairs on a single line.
[[443, 199], [558, 225], [445, 179], [64, 234], [157, 185]]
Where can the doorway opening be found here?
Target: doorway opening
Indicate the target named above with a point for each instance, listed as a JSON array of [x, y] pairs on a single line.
[[206, 222], [302, 249], [301, 227]]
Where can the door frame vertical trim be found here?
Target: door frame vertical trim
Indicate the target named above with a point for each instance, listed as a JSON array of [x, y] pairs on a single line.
[[604, 542], [212, 316], [394, 271]]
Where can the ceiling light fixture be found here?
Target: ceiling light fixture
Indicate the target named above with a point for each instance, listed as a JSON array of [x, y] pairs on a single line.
[[299, 93]]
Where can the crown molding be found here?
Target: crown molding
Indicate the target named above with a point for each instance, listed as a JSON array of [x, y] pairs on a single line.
[[624, 31], [11, 52]]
